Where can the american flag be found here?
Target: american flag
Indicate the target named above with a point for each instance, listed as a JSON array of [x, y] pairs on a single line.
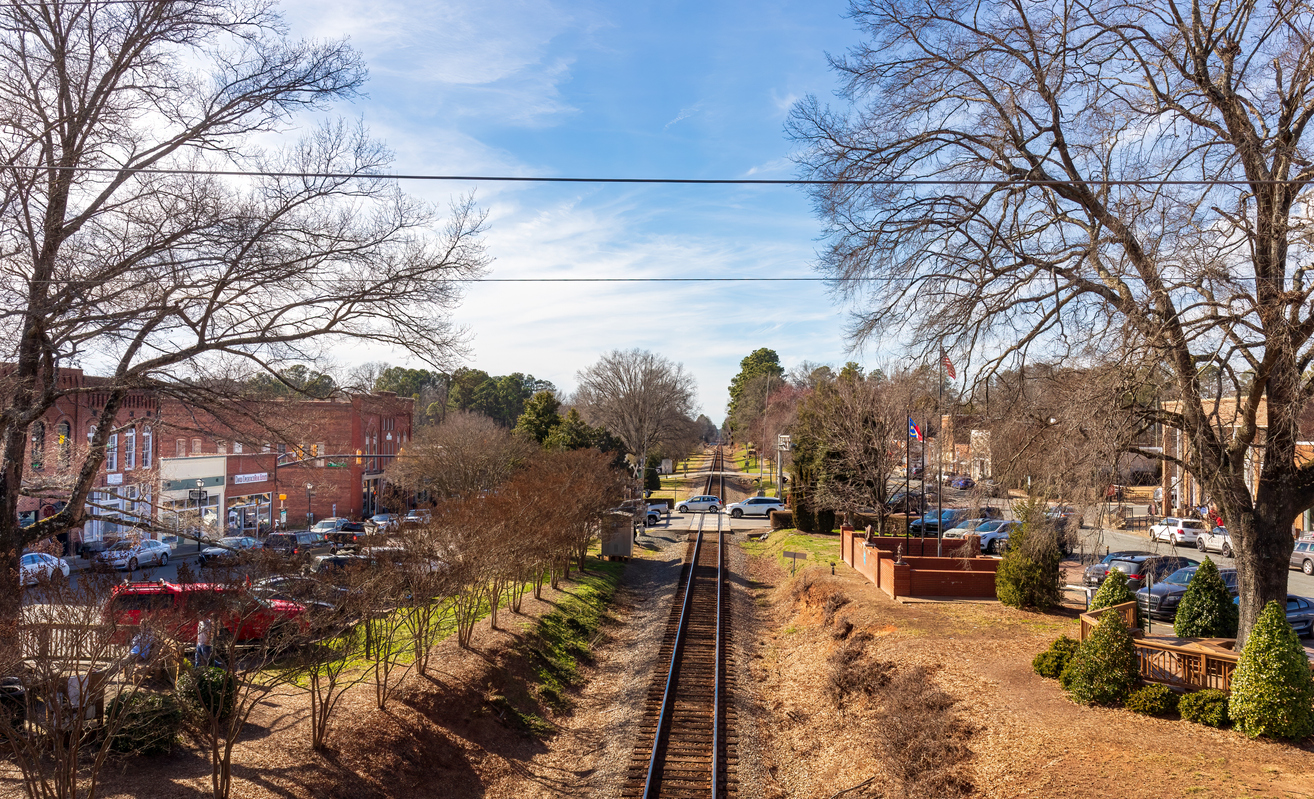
[[913, 430], [949, 367]]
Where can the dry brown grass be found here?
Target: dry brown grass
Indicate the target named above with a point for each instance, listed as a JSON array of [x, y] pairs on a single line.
[[922, 739]]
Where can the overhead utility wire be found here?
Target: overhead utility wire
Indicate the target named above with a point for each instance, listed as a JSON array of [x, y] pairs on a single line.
[[669, 181]]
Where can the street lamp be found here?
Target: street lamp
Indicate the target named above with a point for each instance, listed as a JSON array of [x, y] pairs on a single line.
[[310, 518], [200, 518]]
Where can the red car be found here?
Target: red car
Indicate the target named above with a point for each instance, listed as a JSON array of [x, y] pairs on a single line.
[[179, 606]]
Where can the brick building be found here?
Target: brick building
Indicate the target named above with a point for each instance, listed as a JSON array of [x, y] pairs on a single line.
[[261, 459]]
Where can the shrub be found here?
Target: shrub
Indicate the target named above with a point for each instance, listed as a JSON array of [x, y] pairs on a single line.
[[825, 521], [1029, 576], [1207, 707], [1152, 700], [211, 690], [1104, 669], [1113, 591], [148, 724], [922, 741], [1206, 611], [851, 672], [1272, 690], [1053, 661]]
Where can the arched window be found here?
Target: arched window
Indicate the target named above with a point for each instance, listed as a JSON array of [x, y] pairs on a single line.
[[38, 459], [65, 433]]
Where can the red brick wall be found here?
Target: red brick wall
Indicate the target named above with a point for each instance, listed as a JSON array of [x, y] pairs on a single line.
[[958, 583]]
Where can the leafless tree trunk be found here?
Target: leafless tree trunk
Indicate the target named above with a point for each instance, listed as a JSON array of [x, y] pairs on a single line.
[[175, 280], [1059, 137]]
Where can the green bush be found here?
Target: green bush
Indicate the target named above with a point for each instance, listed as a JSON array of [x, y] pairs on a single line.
[[825, 521], [1029, 576], [211, 690], [1207, 707], [1053, 661], [1152, 700], [148, 724], [1113, 591], [1272, 691], [1104, 669], [1206, 611]]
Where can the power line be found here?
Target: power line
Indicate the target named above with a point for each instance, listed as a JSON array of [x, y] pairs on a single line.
[[1161, 182]]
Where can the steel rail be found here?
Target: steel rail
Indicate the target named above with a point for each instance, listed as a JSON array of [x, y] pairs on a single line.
[[667, 696], [716, 685]]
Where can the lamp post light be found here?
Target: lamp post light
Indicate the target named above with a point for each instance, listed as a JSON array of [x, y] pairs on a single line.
[[310, 517], [200, 516]]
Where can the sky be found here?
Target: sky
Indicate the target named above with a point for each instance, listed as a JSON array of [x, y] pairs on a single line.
[[636, 89]]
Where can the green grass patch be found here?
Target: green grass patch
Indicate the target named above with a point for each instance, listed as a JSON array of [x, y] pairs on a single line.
[[562, 640], [824, 549]]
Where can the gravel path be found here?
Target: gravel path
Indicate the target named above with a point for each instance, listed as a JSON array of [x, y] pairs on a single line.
[[590, 755]]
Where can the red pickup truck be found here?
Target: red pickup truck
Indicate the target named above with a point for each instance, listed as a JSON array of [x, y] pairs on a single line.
[[177, 607]]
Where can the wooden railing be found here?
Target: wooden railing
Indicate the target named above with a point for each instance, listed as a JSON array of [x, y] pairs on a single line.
[[1092, 617], [62, 642], [1192, 665]]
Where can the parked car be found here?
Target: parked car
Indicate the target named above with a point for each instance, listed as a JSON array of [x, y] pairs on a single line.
[[302, 544], [655, 514], [37, 566], [1160, 600], [329, 525], [132, 555], [179, 606], [995, 540], [910, 502], [1216, 540], [1062, 516], [383, 523], [1139, 567], [704, 503], [227, 550], [299, 588], [969, 526], [931, 523], [1300, 613], [1177, 531], [754, 506], [349, 534], [1094, 574], [1302, 557], [963, 483], [417, 517]]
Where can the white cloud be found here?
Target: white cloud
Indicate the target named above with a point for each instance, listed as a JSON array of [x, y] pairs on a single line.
[[685, 113]]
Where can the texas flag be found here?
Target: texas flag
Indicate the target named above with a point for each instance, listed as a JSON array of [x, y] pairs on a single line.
[[913, 430]]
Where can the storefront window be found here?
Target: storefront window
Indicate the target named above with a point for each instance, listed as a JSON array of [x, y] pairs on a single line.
[[249, 514]]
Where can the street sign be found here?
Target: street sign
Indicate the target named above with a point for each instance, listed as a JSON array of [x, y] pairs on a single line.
[[796, 556], [197, 495], [782, 442]]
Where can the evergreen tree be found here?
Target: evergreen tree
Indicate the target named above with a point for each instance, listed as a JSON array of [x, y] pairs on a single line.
[[1272, 690], [540, 416], [1206, 611], [1104, 668], [1113, 591]]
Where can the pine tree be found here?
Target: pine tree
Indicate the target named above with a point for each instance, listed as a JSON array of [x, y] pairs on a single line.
[[1206, 611], [1113, 591]]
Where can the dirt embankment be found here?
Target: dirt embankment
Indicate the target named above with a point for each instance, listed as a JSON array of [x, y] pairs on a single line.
[[1022, 736]]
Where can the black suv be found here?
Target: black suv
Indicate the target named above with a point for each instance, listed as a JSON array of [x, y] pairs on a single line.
[[350, 535], [302, 544], [1160, 600], [1095, 573], [1156, 567]]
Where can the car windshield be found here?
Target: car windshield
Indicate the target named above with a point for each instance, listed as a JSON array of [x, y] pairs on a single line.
[[1181, 576], [1125, 566], [990, 526], [121, 546]]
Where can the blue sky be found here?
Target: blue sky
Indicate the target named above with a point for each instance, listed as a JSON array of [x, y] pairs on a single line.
[[670, 89]]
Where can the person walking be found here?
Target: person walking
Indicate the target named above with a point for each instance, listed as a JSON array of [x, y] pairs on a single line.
[[204, 637]]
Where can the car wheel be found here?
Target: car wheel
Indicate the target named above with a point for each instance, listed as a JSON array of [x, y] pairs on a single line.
[[683, 509], [1307, 567], [713, 509], [1200, 545], [164, 560], [1227, 551], [132, 565], [736, 514]]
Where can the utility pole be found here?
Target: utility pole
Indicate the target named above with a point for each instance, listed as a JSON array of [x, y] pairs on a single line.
[[939, 467], [765, 400]]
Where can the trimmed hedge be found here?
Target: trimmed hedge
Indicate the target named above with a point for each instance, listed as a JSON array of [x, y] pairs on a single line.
[[148, 724], [211, 690], [1207, 707], [1206, 611], [1272, 689], [1113, 591], [1053, 661], [1104, 668], [1152, 700]]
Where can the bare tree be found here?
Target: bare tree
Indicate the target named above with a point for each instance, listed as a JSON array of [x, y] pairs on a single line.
[[121, 244], [465, 455], [641, 398], [1128, 174]]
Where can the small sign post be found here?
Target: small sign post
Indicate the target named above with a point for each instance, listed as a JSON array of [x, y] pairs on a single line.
[[197, 495], [796, 556]]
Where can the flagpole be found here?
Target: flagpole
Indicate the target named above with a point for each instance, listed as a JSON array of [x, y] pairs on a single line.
[[939, 467], [907, 475]]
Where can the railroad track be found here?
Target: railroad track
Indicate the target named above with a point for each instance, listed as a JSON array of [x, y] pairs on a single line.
[[687, 745]]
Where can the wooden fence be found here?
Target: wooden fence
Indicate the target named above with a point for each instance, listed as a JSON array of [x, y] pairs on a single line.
[[1190, 663]]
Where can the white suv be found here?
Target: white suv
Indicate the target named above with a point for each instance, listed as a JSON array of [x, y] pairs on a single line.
[[755, 506], [704, 503], [1177, 531]]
